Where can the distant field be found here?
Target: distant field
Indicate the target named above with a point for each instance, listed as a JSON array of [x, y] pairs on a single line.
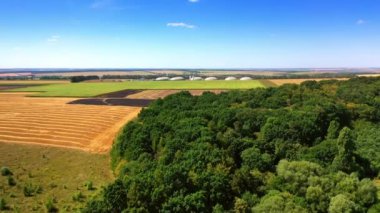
[[31, 82], [279, 82], [94, 89], [61, 174]]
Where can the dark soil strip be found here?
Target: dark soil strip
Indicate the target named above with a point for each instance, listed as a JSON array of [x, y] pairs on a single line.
[[119, 94], [114, 102]]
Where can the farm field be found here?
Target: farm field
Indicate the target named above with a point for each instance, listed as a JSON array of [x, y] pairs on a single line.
[[52, 122], [155, 94], [94, 89], [47, 168], [279, 82], [31, 82]]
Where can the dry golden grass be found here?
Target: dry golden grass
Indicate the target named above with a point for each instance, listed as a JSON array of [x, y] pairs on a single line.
[[369, 75], [52, 122], [30, 82], [61, 173], [280, 82]]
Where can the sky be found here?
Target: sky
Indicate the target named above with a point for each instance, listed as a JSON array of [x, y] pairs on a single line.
[[189, 33]]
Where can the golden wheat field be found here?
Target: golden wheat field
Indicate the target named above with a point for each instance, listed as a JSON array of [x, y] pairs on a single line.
[[52, 122]]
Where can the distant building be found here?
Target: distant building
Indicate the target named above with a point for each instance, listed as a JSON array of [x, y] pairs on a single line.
[[162, 79], [211, 79], [230, 79], [177, 79], [192, 78], [245, 79]]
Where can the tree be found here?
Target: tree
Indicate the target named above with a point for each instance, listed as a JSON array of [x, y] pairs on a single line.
[[345, 160], [341, 204], [333, 130]]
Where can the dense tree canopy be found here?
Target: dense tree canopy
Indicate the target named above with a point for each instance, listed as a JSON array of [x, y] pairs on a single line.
[[296, 148]]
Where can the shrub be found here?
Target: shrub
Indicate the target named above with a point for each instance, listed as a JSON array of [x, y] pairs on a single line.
[[89, 185], [30, 190], [11, 181], [78, 197], [5, 171], [3, 204], [50, 207]]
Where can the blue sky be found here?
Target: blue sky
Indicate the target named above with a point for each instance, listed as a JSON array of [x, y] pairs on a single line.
[[189, 33]]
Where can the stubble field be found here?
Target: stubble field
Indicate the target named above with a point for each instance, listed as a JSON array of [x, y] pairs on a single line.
[[52, 122]]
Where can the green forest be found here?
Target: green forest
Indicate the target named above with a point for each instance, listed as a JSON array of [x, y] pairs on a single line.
[[312, 147]]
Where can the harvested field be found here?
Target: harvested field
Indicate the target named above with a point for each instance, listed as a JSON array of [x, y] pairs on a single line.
[[156, 94], [32, 82], [52, 122], [280, 82], [7, 87]]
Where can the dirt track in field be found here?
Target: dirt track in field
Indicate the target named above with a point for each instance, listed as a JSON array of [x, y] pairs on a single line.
[[52, 122]]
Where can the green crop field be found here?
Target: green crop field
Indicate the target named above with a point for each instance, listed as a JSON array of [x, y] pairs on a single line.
[[94, 89]]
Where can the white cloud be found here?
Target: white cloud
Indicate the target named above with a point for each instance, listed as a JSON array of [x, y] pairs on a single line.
[[180, 24], [53, 39], [193, 1], [360, 22]]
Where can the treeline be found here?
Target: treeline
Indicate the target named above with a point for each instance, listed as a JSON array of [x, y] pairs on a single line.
[[52, 77], [296, 148], [77, 79]]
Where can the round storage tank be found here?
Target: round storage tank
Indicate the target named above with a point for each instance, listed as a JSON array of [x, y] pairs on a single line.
[[230, 79], [211, 79], [177, 79], [162, 79], [196, 78], [246, 79]]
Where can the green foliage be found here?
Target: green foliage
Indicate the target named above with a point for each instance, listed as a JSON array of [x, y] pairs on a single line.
[[3, 204], [11, 181], [333, 130], [286, 149], [374, 209], [50, 205], [89, 185], [5, 171], [30, 190], [368, 142], [78, 197], [341, 203]]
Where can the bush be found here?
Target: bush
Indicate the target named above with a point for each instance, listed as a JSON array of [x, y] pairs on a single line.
[[50, 207], [31, 190], [3, 204], [5, 171], [78, 197], [89, 185], [11, 181]]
